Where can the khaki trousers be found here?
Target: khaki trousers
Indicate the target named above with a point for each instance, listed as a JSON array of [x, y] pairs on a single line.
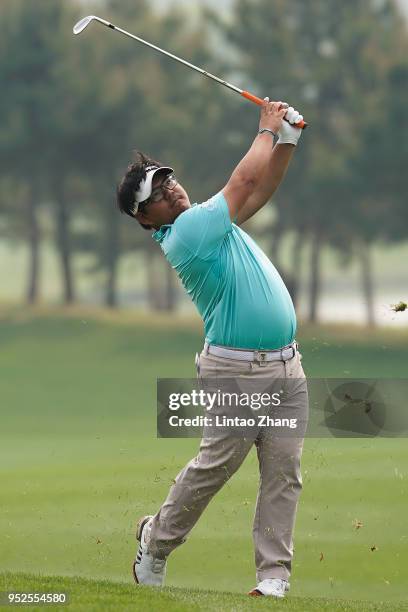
[[219, 458]]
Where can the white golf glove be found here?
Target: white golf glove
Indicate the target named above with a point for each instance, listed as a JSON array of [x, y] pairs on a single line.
[[289, 134]]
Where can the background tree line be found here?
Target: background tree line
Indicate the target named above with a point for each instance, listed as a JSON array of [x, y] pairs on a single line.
[[73, 109]]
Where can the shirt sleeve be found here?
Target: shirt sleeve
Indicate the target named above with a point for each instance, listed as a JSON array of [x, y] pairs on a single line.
[[203, 227]]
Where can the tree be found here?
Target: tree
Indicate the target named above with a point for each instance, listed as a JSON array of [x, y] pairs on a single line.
[[329, 59], [378, 175], [26, 67], [180, 124], [35, 141]]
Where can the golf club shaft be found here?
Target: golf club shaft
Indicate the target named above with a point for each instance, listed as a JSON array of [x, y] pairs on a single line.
[[245, 94], [176, 58]]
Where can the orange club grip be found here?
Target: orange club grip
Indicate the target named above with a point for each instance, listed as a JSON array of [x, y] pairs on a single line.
[[245, 94]]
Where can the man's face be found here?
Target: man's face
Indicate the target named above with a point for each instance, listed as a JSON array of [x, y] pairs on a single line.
[[166, 203]]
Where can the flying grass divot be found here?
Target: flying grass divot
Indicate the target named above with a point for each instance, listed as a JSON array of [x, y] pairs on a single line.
[[400, 307]]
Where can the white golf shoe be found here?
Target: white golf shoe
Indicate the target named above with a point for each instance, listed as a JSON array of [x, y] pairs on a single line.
[[146, 568], [274, 587]]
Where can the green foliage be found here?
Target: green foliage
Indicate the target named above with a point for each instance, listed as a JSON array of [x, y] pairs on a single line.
[[331, 60], [380, 162], [74, 108]]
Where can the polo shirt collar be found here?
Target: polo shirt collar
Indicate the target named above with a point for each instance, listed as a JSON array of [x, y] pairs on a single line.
[[159, 234]]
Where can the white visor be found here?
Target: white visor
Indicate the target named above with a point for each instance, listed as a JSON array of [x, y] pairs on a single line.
[[145, 187]]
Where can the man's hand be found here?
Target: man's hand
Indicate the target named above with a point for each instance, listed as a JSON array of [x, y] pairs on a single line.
[[288, 133], [272, 114]]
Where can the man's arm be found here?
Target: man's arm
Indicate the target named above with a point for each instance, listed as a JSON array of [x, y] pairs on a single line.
[[274, 170], [271, 162], [247, 176]]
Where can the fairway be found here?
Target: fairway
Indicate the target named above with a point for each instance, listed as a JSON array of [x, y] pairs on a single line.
[[80, 463], [95, 595]]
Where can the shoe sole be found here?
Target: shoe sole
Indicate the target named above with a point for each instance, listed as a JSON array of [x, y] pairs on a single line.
[[256, 593], [139, 529]]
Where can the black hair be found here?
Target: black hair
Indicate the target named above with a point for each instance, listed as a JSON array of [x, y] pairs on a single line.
[[135, 173]]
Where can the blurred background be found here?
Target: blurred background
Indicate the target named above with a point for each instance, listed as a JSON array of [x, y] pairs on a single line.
[[74, 108]]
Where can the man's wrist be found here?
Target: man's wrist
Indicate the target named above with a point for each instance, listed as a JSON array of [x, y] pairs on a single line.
[[267, 131]]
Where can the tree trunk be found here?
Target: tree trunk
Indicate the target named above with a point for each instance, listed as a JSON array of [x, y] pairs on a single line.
[[150, 279], [296, 265], [112, 255], [63, 243], [367, 282], [277, 234], [169, 302], [34, 243], [314, 276]]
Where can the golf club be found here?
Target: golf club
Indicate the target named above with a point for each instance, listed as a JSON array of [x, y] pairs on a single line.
[[83, 23]]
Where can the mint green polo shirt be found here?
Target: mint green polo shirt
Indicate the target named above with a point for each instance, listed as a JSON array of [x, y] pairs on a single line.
[[237, 290]]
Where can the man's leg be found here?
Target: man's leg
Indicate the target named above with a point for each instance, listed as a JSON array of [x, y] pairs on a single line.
[[280, 483], [219, 457], [279, 490], [193, 489]]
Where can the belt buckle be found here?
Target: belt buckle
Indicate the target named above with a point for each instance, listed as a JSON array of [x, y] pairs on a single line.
[[261, 358], [291, 348]]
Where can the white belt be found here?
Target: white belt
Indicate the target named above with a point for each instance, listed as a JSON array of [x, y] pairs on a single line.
[[284, 354]]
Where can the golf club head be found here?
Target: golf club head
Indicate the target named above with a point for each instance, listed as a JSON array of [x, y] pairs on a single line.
[[82, 24]]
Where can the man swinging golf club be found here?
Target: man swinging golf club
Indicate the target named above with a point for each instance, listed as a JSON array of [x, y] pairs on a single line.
[[250, 328]]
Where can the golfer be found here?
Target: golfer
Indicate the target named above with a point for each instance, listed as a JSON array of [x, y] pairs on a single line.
[[250, 327]]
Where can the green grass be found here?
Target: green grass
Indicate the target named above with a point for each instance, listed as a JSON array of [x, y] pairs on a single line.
[[79, 463], [88, 595]]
